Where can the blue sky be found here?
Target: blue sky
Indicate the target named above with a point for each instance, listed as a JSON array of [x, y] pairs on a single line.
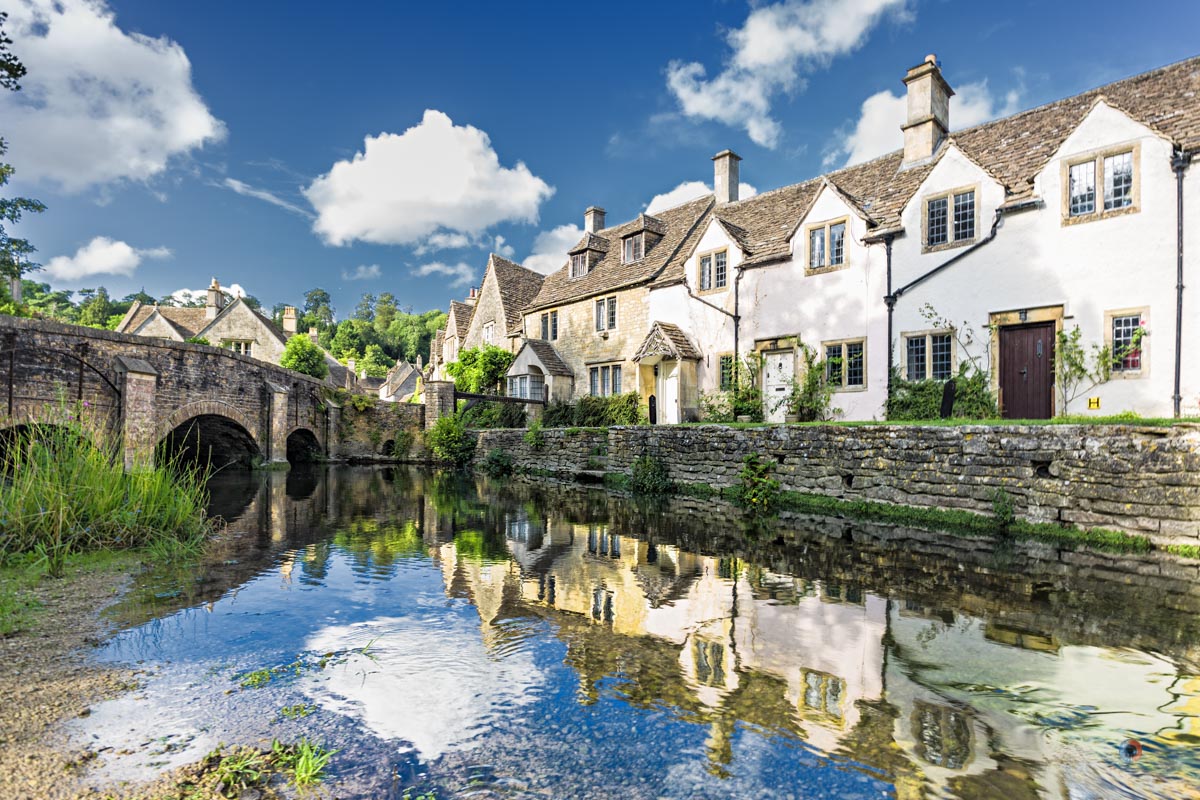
[[382, 146]]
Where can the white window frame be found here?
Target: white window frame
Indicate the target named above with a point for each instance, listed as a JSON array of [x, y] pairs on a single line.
[[605, 309], [825, 232], [489, 333], [1143, 314], [1099, 159], [579, 264], [606, 380], [633, 248], [243, 347]]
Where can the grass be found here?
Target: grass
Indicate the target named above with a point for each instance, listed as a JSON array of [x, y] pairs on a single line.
[[1185, 550], [954, 422], [298, 711], [21, 575], [65, 491], [305, 760]]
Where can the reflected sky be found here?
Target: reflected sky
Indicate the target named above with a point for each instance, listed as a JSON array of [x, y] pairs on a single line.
[[547, 642]]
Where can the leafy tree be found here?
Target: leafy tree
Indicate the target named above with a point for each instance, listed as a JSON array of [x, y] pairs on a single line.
[[385, 311], [375, 362], [348, 342], [319, 306], [95, 310], [302, 355], [481, 369], [365, 310], [139, 295], [412, 333], [14, 252]]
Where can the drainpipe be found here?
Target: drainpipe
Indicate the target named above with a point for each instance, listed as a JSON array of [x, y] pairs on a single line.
[[890, 300], [1179, 163], [735, 316]]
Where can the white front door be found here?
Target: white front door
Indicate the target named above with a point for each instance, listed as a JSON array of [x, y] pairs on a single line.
[[779, 368], [668, 392]]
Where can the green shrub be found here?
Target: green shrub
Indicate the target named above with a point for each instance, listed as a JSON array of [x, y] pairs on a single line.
[[811, 396], [494, 415], [450, 441], [743, 400], [480, 369], [534, 436], [922, 400], [650, 476], [197, 340], [758, 493], [497, 463], [303, 356], [595, 412], [1004, 510], [402, 443]]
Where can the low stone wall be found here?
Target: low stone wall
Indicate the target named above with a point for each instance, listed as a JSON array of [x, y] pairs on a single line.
[[1133, 478], [370, 434], [567, 451]]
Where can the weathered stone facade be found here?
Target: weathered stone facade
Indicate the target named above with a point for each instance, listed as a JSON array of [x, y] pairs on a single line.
[[372, 433], [1138, 479]]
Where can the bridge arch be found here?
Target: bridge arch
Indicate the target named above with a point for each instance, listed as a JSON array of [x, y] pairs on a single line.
[[209, 432], [303, 445]]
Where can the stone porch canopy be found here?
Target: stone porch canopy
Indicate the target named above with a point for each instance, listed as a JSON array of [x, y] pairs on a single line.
[[666, 341]]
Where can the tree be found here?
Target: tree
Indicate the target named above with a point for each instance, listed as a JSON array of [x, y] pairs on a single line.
[[302, 355], [319, 306], [1077, 371], [481, 369], [95, 310], [365, 310], [14, 252], [375, 362], [385, 311], [348, 342], [139, 295]]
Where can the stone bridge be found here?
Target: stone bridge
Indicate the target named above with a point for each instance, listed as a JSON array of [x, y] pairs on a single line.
[[169, 398]]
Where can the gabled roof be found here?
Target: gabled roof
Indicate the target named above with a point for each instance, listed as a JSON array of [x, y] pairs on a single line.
[[187, 321], [681, 227], [590, 241], [435, 348], [267, 324], [547, 356], [669, 341], [462, 317], [517, 285]]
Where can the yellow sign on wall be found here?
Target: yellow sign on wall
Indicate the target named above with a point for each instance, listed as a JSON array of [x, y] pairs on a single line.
[[1093, 403]]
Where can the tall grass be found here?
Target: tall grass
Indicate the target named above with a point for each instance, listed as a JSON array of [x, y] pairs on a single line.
[[63, 490]]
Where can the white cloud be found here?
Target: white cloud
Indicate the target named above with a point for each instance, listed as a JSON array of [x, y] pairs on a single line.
[[101, 256], [435, 177], [877, 130], [99, 104], [690, 190], [185, 296], [773, 49], [502, 248], [462, 274], [443, 241], [265, 196], [363, 272], [550, 248]]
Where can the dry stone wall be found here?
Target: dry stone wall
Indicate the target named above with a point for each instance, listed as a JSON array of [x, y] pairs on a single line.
[[1138, 479]]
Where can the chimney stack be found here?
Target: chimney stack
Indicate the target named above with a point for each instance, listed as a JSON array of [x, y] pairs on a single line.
[[314, 337], [725, 176], [215, 301], [290, 320], [473, 296], [593, 219], [928, 111]]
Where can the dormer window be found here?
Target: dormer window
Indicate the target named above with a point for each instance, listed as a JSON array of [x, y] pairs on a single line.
[[949, 219], [714, 271], [634, 246], [579, 264], [826, 246], [1115, 171]]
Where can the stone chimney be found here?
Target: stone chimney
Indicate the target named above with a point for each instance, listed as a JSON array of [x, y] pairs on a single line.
[[215, 301], [593, 219], [314, 337], [928, 111], [725, 176], [290, 320], [472, 296]]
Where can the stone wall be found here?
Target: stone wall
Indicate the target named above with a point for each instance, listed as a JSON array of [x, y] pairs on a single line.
[[372, 433], [566, 451], [1138, 479]]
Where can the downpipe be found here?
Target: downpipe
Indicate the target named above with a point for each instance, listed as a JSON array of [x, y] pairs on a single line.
[[1179, 163]]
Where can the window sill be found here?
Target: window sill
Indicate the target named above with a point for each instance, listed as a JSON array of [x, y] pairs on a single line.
[[1129, 374], [718, 290], [1096, 217], [938, 248], [826, 269], [848, 389]]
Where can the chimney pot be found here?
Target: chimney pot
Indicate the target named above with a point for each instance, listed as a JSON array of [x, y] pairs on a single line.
[[215, 300], [290, 320], [725, 176], [593, 219]]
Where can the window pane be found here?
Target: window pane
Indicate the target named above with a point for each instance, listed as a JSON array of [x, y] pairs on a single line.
[[1125, 354], [599, 315], [604, 380], [545, 326], [616, 380], [833, 364], [721, 270], [935, 227], [726, 373], [637, 247], [629, 250], [1118, 181], [855, 374], [612, 312], [512, 385], [837, 243], [916, 358], [1082, 187], [537, 387], [595, 381], [941, 363], [578, 264], [553, 324], [523, 386], [816, 248], [964, 216], [706, 272]]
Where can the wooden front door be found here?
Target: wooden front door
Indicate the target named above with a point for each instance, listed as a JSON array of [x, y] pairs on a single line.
[[1027, 371]]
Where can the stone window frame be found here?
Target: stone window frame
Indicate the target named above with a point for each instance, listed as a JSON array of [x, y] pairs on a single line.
[[712, 254], [549, 325], [928, 334], [827, 225], [639, 238], [843, 387], [597, 382], [243, 347], [948, 195], [1143, 312], [722, 386], [610, 318], [1098, 157]]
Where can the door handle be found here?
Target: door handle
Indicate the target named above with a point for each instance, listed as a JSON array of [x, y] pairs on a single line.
[[1024, 374]]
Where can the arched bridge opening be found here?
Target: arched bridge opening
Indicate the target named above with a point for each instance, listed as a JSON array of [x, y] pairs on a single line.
[[303, 447], [210, 441]]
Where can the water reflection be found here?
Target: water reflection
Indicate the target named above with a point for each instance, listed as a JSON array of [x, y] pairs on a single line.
[[538, 639]]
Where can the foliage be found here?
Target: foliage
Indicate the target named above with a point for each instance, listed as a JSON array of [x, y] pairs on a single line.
[[303, 356], [759, 492], [402, 443], [450, 441], [197, 340], [305, 760], [650, 476], [743, 400], [1185, 550], [811, 396], [241, 769], [66, 491], [1003, 510], [374, 362], [497, 463], [534, 436], [495, 415], [922, 400], [297, 711], [1077, 371], [14, 252], [318, 309], [595, 412], [481, 369]]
